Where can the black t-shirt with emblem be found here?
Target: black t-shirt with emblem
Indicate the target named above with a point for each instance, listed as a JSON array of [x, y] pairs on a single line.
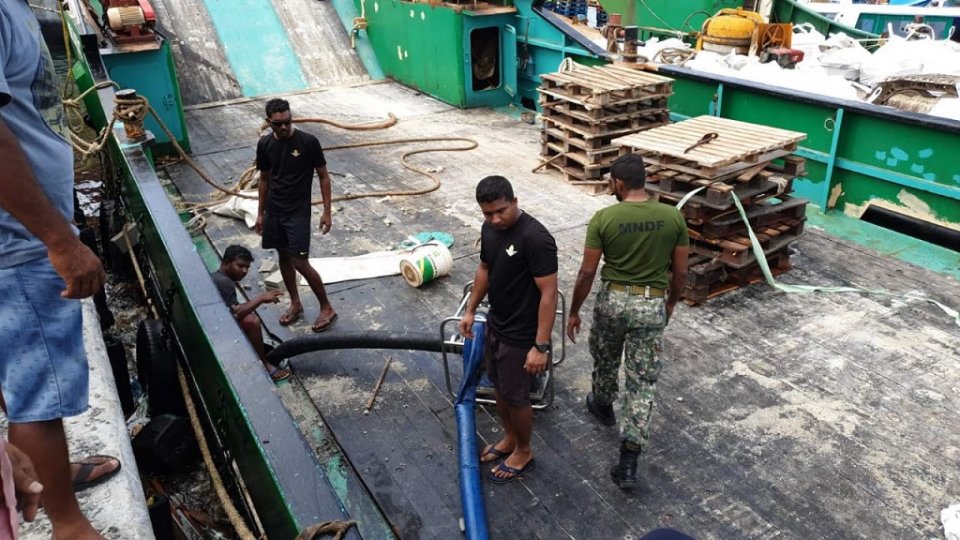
[[514, 257], [291, 163]]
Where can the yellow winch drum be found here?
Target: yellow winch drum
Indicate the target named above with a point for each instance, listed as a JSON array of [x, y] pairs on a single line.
[[730, 30]]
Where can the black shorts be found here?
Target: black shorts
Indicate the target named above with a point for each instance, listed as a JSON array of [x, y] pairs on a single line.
[[288, 232], [504, 365]]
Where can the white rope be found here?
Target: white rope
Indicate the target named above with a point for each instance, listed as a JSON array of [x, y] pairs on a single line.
[[567, 64]]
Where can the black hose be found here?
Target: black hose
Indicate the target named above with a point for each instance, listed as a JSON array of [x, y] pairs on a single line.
[[412, 341]]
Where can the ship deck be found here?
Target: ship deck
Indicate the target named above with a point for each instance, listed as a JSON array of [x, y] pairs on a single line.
[[777, 416]]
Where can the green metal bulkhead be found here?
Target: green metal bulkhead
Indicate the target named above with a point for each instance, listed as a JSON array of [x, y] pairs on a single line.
[[427, 47], [858, 155]]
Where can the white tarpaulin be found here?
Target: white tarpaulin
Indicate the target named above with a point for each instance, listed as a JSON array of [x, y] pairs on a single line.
[[368, 265], [239, 208]]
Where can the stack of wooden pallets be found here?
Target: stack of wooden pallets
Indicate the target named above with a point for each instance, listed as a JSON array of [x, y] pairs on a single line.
[[585, 109], [748, 161]]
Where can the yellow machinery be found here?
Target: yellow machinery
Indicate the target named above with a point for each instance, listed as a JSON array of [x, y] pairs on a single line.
[[743, 31]]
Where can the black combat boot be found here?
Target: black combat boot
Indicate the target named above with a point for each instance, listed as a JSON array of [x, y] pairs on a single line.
[[624, 473], [604, 413]]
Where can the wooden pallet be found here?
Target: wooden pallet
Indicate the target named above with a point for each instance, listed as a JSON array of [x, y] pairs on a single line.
[[739, 146], [599, 86], [608, 111], [768, 213], [689, 166], [737, 252], [601, 156], [708, 278], [564, 141], [718, 196], [574, 170], [577, 138], [609, 125], [609, 132]]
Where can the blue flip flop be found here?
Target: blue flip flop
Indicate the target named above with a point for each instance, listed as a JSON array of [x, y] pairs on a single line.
[[514, 472], [491, 450]]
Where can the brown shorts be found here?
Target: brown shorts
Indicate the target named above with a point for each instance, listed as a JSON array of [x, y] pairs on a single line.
[[504, 365]]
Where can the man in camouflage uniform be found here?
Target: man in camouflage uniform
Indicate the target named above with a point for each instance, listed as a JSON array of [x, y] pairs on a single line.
[[641, 241]]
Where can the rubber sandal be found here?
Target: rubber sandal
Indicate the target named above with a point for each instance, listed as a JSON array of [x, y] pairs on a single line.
[[325, 326], [286, 319], [491, 450], [513, 472], [279, 374], [82, 480]]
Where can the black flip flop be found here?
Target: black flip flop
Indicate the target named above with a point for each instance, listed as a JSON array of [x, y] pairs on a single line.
[[516, 473], [81, 480]]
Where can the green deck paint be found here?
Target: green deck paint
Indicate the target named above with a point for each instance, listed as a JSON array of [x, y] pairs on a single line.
[[256, 46], [346, 10], [887, 242]]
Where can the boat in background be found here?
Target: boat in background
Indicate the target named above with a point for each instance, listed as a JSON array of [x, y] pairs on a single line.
[[878, 19], [492, 54]]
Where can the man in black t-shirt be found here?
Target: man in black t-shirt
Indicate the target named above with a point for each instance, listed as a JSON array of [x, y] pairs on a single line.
[[518, 271], [233, 268], [287, 159]]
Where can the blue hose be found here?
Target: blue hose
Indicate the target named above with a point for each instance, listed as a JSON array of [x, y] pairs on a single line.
[[471, 490]]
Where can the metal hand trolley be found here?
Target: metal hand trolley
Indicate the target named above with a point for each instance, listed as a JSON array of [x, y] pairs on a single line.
[[541, 391]]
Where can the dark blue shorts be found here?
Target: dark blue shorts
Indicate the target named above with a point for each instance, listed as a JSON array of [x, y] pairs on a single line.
[[43, 367]]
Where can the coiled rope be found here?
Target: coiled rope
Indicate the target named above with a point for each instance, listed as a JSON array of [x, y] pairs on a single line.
[[138, 107], [674, 55]]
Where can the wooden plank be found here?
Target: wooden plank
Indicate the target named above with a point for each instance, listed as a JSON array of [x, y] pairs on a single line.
[[746, 194], [735, 142], [737, 252], [710, 173], [587, 133]]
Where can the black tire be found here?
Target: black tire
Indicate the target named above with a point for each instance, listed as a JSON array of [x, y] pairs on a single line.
[[157, 369]]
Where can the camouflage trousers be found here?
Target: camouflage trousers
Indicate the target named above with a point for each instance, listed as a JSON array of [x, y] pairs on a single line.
[[628, 326]]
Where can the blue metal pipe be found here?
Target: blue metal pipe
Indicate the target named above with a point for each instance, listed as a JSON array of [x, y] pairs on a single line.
[[471, 489]]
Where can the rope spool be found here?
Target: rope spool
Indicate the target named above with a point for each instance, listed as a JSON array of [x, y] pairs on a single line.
[[131, 109], [674, 55]]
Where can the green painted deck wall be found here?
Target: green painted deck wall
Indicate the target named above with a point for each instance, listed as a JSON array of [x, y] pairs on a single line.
[[419, 45], [790, 11], [907, 167], [668, 14]]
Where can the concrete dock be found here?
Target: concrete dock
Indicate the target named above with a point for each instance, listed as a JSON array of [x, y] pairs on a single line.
[[117, 508]]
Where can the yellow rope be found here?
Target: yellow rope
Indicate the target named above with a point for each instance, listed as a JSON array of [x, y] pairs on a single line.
[[243, 532], [336, 528]]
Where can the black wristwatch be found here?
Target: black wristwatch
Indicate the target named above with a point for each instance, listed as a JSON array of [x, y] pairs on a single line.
[[542, 347]]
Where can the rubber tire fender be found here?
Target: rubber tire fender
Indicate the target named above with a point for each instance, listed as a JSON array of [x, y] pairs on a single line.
[[157, 369]]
